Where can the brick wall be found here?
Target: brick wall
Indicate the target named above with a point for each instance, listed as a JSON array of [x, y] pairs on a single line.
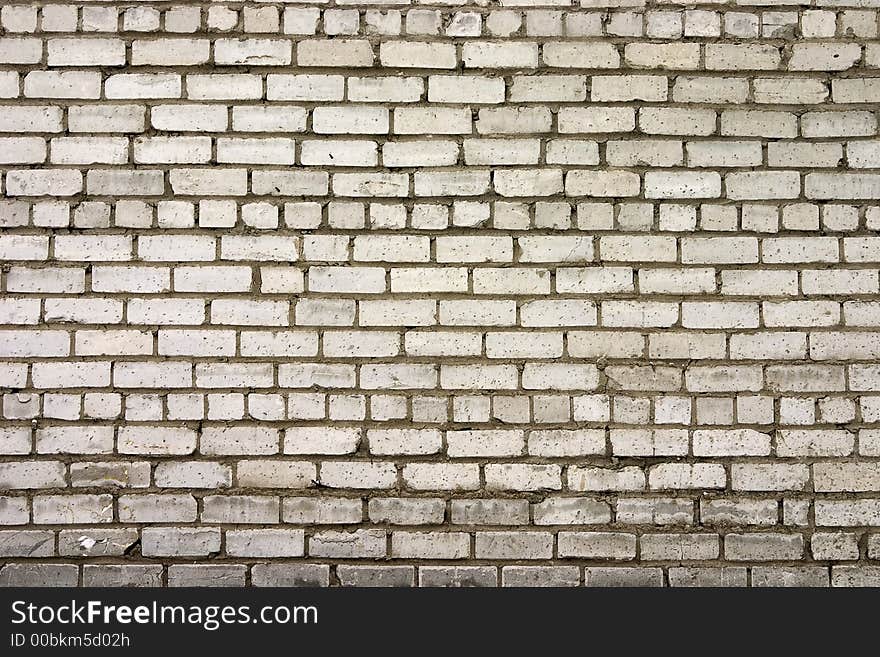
[[508, 293]]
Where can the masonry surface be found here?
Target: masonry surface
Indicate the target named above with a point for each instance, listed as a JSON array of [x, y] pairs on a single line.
[[510, 293]]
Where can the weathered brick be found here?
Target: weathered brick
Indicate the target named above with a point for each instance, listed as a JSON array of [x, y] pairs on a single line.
[[353, 283]]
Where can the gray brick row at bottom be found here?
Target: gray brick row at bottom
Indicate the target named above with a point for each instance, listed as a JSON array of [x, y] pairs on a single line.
[[321, 575]]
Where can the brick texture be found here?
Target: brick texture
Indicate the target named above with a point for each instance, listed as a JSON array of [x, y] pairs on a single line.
[[502, 293]]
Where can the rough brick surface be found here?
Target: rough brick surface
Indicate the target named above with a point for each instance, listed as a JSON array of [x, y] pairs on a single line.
[[501, 293]]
